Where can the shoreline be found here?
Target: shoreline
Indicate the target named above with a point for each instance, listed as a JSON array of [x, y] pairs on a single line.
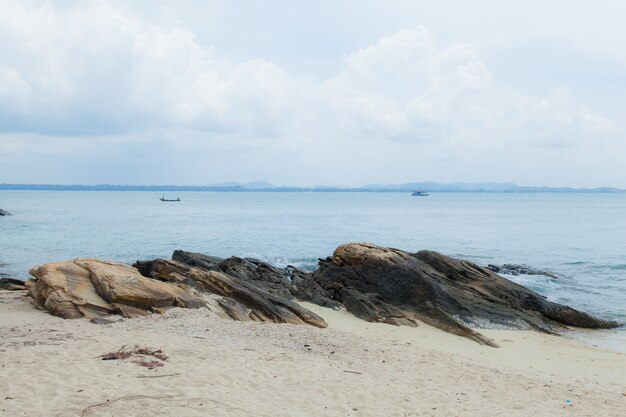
[[218, 366], [520, 350]]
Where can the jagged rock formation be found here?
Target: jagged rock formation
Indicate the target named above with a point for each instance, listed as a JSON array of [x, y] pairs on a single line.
[[374, 283], [92, 288], [289, 282], [512, 269], [253, 271], [197, 259], [4, 213], [243, 300], [393, 286]]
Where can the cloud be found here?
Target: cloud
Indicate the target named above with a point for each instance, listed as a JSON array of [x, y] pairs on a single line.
[[556, 120], [473, 75], [92, 72]]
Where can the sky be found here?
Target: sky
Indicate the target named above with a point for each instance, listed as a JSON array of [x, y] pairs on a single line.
[[345, 92]]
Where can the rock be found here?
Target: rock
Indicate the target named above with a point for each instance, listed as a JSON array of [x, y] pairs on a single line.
[[263, 305], [11, 284], [130, 312], [92, 288], [376, 284], [197, 259], [234, 309], [304, 288], [4, 213], [122, 284], [289, 282], [389, 285], [512, 269], [258, 273], [101, 320], [254, 271], [64, 289]]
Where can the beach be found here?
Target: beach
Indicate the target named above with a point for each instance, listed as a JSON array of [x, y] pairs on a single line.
[[294, 209], [217, 366]]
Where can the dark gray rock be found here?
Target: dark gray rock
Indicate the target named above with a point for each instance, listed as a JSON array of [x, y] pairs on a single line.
[[261, 274], [101, 320], [11, 284], [376, 284], [389, 285], [289, 282], [197, 259], [258, 273], [247, 301], [4, 213], [305, 288]]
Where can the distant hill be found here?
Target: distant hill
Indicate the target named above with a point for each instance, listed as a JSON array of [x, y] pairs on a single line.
[[489, 187], [430, 186]]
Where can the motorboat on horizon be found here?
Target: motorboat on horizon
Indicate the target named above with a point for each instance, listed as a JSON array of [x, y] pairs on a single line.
[[162, 198]]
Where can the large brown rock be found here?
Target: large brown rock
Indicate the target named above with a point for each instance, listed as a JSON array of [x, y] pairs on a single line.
[[123, 284], [92, 288], [64, 289], [389, 285]]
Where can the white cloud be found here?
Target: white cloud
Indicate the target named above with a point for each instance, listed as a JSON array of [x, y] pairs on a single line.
[[14, 91], [473, 75], [92, 70], [556, 120]]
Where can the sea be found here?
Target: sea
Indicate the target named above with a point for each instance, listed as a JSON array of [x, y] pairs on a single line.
[[580, 237]]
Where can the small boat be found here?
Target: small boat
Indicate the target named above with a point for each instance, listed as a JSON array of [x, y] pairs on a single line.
[[162, 198], [418, 193]]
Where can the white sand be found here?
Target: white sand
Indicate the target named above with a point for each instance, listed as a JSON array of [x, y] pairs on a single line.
[[217, 367]]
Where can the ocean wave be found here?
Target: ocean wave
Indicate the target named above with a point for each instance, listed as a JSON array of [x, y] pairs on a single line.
[[481, 323], [305, 264]]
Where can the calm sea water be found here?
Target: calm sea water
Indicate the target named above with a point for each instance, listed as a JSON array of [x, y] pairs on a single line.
[[579, 236]]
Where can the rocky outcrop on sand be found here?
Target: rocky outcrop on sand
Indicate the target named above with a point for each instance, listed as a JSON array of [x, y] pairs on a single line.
[[374, 283], [242, 299], [93, 288], [259, 273], [4, 213], [392, 286], [289, 282], [11, 284]]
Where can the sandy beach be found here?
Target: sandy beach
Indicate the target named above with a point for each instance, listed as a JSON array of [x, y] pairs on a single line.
[[306, 209], [219, 367]]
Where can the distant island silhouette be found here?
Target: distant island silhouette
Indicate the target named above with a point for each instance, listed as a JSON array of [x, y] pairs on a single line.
[[263, 186]]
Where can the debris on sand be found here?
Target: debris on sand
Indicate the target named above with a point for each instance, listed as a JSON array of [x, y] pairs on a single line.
[[141, 352]]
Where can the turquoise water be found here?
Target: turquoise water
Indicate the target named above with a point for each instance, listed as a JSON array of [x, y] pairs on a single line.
[[579, 236]]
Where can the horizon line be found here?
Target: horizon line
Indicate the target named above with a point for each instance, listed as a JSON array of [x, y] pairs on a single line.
[[263, 186]]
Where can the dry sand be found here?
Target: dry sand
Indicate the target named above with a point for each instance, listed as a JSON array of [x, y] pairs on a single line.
[[218, 367]]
